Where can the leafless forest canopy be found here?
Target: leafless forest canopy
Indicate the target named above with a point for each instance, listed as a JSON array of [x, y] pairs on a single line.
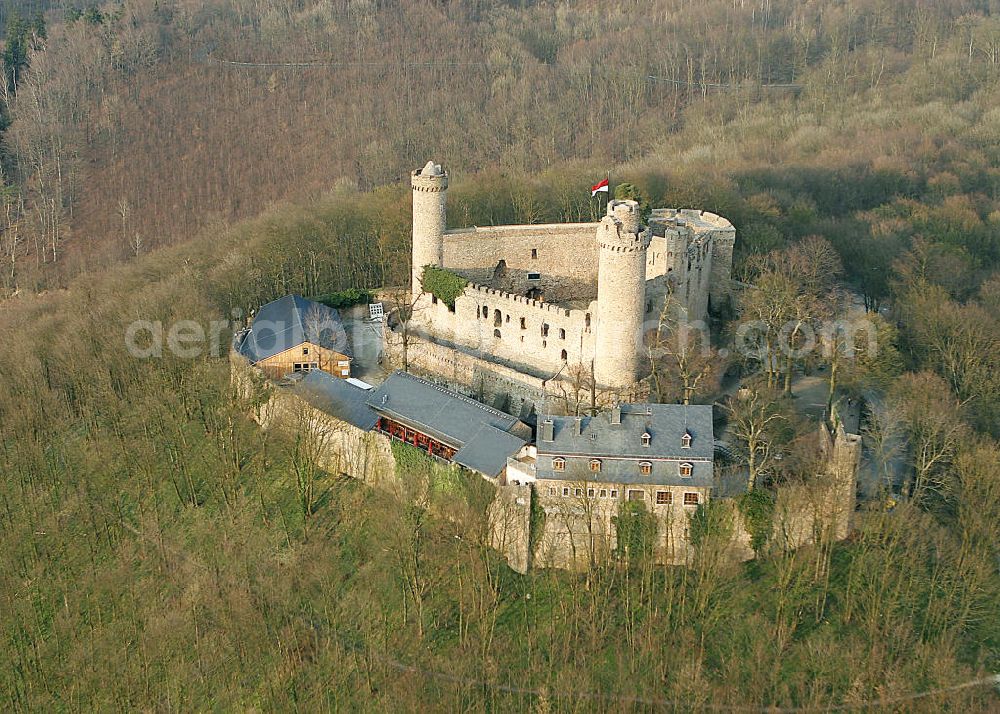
[[171, 160]]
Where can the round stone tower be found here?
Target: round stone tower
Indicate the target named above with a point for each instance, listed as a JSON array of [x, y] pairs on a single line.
[[430, 186], [621, 295]]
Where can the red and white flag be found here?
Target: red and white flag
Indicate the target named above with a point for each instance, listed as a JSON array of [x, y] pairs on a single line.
[[600, 187]]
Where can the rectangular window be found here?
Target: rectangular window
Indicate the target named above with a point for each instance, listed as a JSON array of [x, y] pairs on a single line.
[[690, 498], [562, 334], [636, 495], [534, 276], [534, 253], [577, 491], [552, 491], [305, 350], [545, 329], [565, 491], [604, 493], [314, 365], [343, 363], [664, 498], [590, 493], [614, 493]]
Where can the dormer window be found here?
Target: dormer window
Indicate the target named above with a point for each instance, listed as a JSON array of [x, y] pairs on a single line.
[[685, 469], [595, 465], [558, 464], [646, 438], [645, 468], [686, 440]]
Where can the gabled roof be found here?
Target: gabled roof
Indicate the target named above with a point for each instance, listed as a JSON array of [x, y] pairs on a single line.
[[483, 436], [665, 423], [338, 398], [288, 322], [619, 447]]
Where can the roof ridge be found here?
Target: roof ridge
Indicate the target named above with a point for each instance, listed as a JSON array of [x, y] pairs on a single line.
[[459, 395]]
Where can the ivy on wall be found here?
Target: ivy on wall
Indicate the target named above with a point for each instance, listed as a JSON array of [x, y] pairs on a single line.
[[443, 284], [757, 507]]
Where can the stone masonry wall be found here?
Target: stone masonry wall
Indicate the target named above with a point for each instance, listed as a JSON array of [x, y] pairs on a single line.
[[542, 339], [562, 250]]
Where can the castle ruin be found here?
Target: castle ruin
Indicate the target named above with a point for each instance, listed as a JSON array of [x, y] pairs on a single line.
[[554, 301]]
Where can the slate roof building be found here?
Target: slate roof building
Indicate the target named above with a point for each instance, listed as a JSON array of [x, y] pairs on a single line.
[[447, 424], [661, 453], [293, 334]]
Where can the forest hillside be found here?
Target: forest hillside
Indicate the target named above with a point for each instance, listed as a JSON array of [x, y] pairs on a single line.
[[170, 160]]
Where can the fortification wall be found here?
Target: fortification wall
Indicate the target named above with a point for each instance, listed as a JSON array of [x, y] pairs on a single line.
[[579, 530], [561, 250], [348, 450], [540, 338]]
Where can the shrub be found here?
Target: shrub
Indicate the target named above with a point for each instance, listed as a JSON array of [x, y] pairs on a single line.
[[346, 298], [443, 284]]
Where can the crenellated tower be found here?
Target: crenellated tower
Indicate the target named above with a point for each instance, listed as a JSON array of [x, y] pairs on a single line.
[[430, 188], [621, 285]]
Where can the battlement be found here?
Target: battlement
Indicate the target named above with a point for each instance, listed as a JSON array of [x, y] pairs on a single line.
[[429, 179], [523, 228], [474, 290], [697, 220]]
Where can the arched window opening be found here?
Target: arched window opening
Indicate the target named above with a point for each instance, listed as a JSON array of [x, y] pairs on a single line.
[[563, 356], [496, 333], [497, 318]]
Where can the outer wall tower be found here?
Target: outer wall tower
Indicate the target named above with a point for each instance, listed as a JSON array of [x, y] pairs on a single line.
[[621, 286], [430, 186]]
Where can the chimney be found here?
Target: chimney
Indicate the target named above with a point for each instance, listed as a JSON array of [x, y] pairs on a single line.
[[616, 414], [577, 425], [546, 431]]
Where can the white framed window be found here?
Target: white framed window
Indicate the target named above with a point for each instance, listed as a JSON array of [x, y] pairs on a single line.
[[647, 438], [558, 464], [691, 498], [685, 469], [645, 468], [565, 491], [614, 493], [595, 465], [686, 440], [664, 498], [635, 494]]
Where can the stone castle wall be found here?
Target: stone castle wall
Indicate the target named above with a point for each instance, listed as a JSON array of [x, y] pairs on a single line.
[[542, 339], [579, 530], [559, 250]]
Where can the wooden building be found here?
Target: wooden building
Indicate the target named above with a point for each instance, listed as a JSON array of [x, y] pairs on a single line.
[[293, 334]]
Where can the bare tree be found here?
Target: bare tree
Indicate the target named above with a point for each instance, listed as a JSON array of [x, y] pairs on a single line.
[[753, 420]]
